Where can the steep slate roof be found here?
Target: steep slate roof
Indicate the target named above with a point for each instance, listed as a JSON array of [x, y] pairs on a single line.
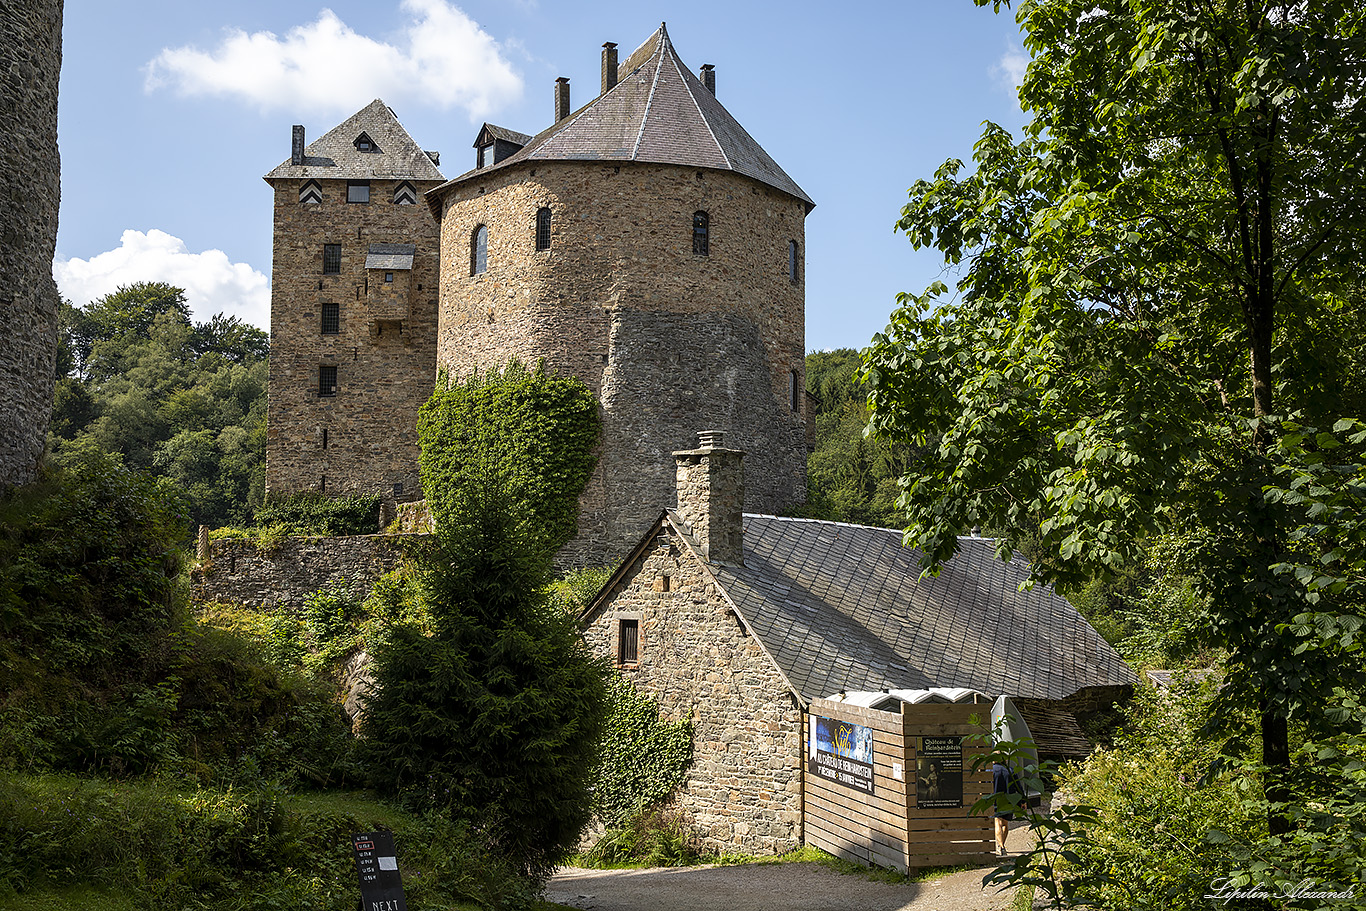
[[659, 112], [334, 156], [390, 256], [843, 607]]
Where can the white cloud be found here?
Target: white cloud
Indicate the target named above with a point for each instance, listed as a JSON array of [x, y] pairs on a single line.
[[212, 284], [1009, 71], [442, 58]]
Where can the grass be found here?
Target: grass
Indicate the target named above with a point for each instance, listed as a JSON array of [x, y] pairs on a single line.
[[70, 898]]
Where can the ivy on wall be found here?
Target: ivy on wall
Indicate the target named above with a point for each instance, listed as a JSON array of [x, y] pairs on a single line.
[[536, 432], [643, 757], [312, 513]]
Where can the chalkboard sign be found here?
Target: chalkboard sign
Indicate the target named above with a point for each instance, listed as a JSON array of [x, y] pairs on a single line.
[[381, 886]]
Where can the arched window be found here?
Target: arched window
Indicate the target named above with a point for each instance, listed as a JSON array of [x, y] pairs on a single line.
[[543, 228], [479, 250], [701, 245], [793, 265]]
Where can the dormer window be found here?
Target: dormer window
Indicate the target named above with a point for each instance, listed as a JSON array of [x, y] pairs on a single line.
[[364, 143], [486, 155]]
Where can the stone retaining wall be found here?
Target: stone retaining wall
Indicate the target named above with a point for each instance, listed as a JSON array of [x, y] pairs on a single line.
[[236, 572]]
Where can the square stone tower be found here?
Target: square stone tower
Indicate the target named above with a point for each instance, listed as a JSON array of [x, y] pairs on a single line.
[[352, 311]]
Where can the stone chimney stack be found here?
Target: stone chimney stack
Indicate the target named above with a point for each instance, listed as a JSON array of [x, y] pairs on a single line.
[[711, 497], [296, 145], [708, 76], [561, 98], [609, 67]]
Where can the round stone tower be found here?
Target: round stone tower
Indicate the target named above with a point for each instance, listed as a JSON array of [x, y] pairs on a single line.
[[648, 245]]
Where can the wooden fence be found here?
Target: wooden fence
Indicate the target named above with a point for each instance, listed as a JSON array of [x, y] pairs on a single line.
[[895, 789]]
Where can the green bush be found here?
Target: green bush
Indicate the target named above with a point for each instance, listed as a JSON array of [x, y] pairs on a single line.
[[539, 431], [1169, 813], [492, 709], [234, 849], [103, 671], [318, 514], [654, 838]]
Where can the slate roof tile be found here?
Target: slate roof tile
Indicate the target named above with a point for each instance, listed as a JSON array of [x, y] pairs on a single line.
[[843, 607], [658, 112], [334, 156]]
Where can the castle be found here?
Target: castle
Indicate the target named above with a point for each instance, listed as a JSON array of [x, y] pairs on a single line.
[[644, 243]]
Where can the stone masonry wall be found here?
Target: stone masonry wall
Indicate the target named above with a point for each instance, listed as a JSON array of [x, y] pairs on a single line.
[[237, 573], [385, 351], [671, 342], [743, 792], [30, 63]]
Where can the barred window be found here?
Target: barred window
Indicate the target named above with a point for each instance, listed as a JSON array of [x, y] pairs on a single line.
[[701, 245], [628, 641], [543, 228], [331, 259], [327, 379], [479, 250], [331, 319]]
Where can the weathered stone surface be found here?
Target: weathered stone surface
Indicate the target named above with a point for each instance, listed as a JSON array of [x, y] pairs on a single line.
[[237, 573], [30, 63], [363, 439], [743, 792], [671, 342]]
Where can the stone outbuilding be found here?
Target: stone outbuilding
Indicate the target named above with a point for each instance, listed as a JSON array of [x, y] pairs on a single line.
[[738, 621]]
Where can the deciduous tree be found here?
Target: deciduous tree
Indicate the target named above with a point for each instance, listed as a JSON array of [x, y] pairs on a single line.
[[1147, 336]]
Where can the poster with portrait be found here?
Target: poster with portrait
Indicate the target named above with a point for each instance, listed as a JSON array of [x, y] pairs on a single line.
[[842, 751], [939, 773]]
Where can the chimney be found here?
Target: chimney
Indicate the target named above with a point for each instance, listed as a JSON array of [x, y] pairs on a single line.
[[708, 76], [711, 496], [435, 157], [561, 98], [296, 145], [609, 67]]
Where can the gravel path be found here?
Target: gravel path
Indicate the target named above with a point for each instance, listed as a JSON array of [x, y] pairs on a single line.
[[770, 887]]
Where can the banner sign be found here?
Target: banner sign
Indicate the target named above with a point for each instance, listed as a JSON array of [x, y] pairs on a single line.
[[939, 773], [842, 752], [381, 886]]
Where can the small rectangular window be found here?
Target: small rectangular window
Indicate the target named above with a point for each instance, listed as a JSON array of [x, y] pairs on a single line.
[[628, 641], [398, 488], [701, 227], [331, 319], [358, 191], [388, 277], [796, 393], [543, 228], [327, 379], [331, 259], [324, 438]]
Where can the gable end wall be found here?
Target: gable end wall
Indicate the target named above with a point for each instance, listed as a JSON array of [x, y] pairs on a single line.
[[743, 792]]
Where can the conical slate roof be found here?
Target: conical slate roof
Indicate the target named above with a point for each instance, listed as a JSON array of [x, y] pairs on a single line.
[[658, 112], [335, 155]]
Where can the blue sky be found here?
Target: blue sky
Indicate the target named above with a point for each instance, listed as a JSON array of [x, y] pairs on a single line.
[[171, 111]]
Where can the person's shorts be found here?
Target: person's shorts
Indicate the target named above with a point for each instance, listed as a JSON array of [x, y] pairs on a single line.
[[1000, 784]]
